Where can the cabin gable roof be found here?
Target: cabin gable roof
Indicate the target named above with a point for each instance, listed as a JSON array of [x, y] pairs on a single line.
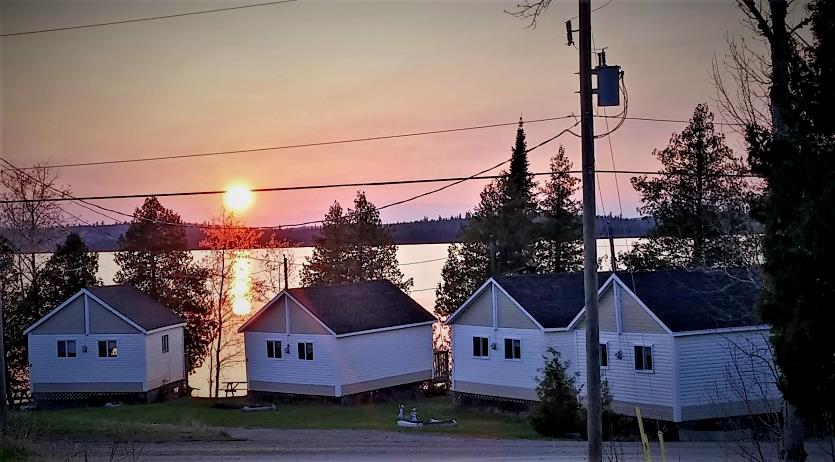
[[354, 307]]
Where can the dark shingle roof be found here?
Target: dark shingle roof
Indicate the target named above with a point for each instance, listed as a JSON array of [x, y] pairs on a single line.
[[360, 306], [552, 299], [688, 300], [136, 306]]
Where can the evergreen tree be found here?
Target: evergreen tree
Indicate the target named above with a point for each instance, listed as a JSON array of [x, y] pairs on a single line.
[[466, 268], [352, 247], [700, 207], [527, 237], [507, 212], [558, 411], [797, 160], [154, 258], [329, 262], [559, 248], [71, 268]]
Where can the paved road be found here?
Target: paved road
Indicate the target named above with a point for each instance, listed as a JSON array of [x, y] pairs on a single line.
[[255, 445]]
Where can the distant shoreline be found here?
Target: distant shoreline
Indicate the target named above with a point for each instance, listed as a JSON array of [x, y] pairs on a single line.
[[104, 237]]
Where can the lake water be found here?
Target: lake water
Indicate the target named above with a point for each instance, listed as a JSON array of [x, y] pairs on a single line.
[[414, 264]]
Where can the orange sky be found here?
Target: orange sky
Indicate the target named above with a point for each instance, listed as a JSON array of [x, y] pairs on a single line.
[[323, 70]]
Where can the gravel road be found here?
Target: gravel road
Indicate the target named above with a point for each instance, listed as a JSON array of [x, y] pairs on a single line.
[[362, 445]]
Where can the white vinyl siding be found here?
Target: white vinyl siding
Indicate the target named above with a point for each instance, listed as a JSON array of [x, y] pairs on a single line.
[[378, 355], [497, 372], [164, 368], [726, 368], [321, 370], [625, 383], [87, 367]]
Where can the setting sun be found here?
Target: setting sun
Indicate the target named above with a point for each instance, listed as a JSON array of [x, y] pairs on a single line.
[[238, 198]]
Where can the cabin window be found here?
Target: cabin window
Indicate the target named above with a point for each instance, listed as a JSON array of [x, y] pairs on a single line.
[[480, 347], [604, 355], [643, 358], [66, 349], [165, 343], [274, 349], [306, 351], [108, 349], [512, 348]]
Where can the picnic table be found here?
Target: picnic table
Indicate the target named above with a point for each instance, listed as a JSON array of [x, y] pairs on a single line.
[[230, 388]]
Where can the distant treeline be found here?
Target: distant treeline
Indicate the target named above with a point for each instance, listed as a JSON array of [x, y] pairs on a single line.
[[104, 237]]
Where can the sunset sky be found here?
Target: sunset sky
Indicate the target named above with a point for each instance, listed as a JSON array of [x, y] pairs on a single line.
[[325, 70]]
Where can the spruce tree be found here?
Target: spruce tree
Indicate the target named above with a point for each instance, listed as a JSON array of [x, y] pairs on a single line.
[[154, 258], [352, 247], [559, 248], [527, 236], [71, 268], [558, 410], [798, 165], [700, 203], [329, 262], [465, 269], [507, 212]]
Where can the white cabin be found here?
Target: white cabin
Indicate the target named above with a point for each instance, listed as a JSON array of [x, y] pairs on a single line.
[[502, 333], [338, 340], [681, 345], [104, 341]]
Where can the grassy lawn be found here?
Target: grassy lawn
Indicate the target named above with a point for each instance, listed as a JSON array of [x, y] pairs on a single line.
[[197, 419]]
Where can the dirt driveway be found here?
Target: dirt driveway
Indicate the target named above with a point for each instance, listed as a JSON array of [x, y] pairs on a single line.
[[366, 445]]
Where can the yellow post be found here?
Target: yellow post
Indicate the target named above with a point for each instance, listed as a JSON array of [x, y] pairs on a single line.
[[644, 439], [663, 449]]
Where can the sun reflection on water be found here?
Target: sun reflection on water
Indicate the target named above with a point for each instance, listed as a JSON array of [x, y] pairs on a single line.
[[241, 278]]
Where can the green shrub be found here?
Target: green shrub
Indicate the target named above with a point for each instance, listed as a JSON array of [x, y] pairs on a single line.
[[558, 411]]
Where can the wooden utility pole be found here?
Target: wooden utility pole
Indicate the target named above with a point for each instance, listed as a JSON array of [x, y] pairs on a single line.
[[286, 274], [612, 248], [3, 384], [594, 404]]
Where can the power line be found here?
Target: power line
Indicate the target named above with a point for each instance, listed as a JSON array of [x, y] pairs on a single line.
[[270, 260], [422, 290], [305, 145], [423, 261], [65, 198], [594, 10], [621, 116], [152, 18]]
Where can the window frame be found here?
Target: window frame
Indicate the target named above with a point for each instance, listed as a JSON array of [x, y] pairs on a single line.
[[604, 347], [166, 346], [107, 348], [280, 349], [483, 347], [513, 342], [66, 343], [644, 349], [308, 353]]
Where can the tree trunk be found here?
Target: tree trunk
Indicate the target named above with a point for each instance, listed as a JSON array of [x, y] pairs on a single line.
[[793, 435], [699, 241], [793, 444], [219, 322]]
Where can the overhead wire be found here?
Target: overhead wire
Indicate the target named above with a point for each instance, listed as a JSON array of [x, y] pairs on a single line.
[[67, 196], [622, 116], [63, 198], [307, 145], [151, 18]]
